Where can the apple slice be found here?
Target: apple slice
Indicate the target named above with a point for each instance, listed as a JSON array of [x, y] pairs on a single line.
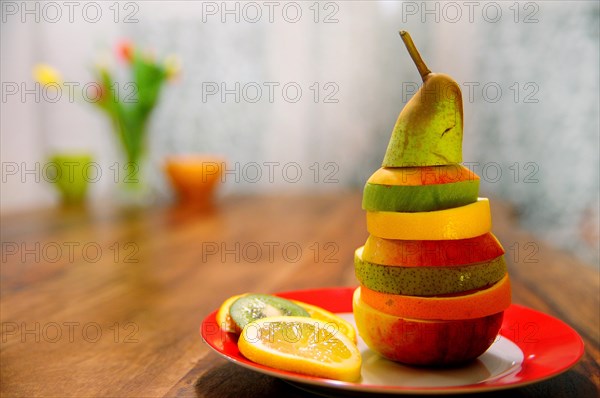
[[424, 342], [414, 189], [422, 175], [431, 253], [419, 198]]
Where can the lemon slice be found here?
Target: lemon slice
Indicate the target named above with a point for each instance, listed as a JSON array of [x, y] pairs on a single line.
[[302, 345], [321, 314], [224, 319], [458, 223]]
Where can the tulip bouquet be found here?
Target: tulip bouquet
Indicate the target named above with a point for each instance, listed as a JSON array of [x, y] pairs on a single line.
[[128, 110]]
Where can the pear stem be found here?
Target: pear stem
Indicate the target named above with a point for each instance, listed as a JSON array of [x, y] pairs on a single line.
[[414, 54]]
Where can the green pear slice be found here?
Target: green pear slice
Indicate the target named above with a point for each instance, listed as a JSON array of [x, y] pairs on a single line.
[[428, 281]]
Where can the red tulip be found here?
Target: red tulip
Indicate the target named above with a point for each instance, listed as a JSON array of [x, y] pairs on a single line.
[[125, 51]]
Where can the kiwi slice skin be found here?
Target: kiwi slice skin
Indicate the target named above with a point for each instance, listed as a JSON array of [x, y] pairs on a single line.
[[429, 281], [416, 198], [257, 306]]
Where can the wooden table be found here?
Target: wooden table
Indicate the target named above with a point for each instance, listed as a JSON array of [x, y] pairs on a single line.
[[106, 301]]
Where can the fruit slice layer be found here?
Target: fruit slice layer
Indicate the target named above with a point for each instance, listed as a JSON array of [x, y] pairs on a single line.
[[431, 253], [321, 314], [419, 197], [302, 345], [423, 342], [468, 306], [459, 223], [251, 307], [426, 175], [223, 318], [427, 281]]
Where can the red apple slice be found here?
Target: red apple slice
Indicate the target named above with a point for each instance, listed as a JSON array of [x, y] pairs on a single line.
[[431, 253], [424, 342]]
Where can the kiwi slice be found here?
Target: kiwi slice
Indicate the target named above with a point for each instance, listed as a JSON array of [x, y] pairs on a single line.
[[428, 281], [257, 306]]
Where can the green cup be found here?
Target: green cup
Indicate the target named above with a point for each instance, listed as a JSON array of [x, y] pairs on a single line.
[[71, 174]]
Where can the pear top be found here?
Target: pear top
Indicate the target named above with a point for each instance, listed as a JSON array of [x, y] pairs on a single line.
[[429, 129]]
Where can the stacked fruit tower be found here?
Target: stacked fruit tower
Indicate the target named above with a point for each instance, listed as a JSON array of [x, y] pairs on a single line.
[[433, 279]]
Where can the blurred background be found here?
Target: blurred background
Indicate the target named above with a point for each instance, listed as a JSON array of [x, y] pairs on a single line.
[[302, 96]]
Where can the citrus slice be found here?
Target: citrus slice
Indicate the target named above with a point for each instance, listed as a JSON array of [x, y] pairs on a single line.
[[458, 223], [427, 281], [430, 253], [321, 314], [302, 345], [467, 306], [223, 318]]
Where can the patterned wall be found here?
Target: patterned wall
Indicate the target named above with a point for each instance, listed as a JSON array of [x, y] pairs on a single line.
[[529, 77]]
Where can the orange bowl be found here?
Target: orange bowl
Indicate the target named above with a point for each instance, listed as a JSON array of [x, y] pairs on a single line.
[[194, 177]]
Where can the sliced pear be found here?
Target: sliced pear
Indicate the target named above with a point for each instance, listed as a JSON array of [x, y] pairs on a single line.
[[429, 130], [427, 281]]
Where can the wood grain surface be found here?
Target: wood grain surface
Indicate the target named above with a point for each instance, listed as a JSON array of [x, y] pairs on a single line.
[[107, 302]]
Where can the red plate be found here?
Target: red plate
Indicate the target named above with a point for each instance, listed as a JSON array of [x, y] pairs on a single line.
[[531, 347]]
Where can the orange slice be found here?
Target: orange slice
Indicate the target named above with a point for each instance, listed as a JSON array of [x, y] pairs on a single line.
[[458, 223], [303, 345], [481, 303]]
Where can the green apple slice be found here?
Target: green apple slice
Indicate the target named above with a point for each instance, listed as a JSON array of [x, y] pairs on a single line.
[[418, 189], [417, 198]]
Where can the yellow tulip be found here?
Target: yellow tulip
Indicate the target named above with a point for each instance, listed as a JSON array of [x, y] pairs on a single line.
[[172, 66], [45, 74]]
